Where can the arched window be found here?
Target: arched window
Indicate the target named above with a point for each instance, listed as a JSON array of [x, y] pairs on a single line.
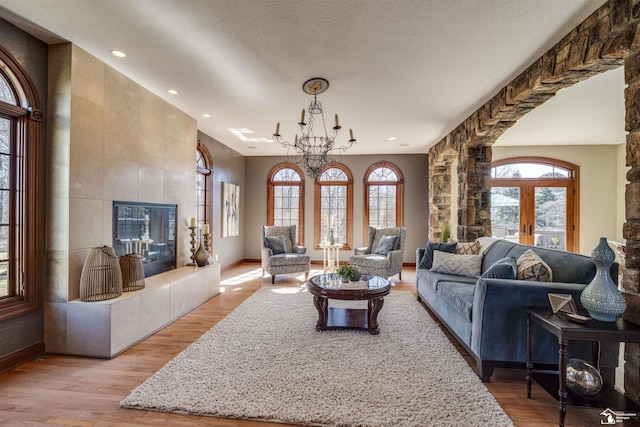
[[534, 201], [383, 192], [204, 183], [285, 198], [20, 191], [333, 207]]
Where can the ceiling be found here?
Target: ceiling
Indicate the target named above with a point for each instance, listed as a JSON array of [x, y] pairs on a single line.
[[411, 69]]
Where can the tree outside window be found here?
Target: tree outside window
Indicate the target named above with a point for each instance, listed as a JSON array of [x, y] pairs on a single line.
[[383, 187], [334, 204], [285, 198]]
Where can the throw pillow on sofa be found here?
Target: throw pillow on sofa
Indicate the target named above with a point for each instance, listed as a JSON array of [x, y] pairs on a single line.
[[505, 268], [457, 265], [532, 267], [468, 248], [276, 244], [427, 259]]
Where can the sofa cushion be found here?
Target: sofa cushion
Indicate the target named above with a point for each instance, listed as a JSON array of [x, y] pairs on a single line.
[[458, 265], [427, 258], [387, 244], [276, 244], [504, 268], [459, 296], [468, 248], [532, 267], [289, 259], [433, 279]]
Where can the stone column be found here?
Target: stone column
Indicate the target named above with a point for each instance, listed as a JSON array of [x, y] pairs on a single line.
[[631, 230], [475, 193]]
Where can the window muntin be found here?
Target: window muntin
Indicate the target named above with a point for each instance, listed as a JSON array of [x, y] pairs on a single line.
[[285, 194], [334, 204], [383, 188]]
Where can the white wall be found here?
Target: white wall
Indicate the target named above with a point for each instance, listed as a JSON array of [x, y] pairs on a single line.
[[600, 186]]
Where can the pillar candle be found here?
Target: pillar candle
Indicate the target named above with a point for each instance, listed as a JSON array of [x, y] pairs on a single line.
[[193, 222], [205, 229]]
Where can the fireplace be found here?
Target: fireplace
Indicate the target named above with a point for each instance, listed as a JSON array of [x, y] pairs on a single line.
[[148, 229]]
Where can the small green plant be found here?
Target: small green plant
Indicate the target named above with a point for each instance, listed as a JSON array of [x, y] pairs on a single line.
[[446, 232], [346, 270]]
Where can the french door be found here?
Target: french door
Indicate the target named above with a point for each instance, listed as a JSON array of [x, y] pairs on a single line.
[[536, 211]]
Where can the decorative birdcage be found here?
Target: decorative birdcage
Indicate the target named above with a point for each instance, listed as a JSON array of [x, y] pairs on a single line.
[[132, 272], [101, 278]]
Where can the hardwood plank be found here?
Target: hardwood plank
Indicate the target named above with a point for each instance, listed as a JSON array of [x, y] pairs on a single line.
[[76, 391]]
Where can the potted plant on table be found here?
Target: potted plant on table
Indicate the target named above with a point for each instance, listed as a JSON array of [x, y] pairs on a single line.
[[345, 271]]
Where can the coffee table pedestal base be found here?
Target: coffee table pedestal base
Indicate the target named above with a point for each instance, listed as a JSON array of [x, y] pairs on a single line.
[[331, 318]]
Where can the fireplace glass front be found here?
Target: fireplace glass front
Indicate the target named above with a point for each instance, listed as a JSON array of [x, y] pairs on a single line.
[[147, 229]]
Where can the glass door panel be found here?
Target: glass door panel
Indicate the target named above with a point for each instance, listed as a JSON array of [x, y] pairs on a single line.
[[550, 211], [505, 213]]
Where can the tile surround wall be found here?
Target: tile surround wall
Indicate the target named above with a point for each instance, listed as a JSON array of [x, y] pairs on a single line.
[[108, 139]]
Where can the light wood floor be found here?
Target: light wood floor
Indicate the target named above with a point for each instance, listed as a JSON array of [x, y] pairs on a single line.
[[71, 391]]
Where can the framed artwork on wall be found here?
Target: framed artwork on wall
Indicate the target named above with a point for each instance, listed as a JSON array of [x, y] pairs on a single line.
[[230, 209]]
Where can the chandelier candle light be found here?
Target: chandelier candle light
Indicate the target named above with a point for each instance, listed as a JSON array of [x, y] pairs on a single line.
[[309, 151]]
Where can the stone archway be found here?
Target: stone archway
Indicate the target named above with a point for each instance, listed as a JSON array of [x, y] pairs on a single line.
[[607, 39]]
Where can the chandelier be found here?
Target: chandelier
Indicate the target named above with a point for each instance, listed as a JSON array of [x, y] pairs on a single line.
[[310, 151]]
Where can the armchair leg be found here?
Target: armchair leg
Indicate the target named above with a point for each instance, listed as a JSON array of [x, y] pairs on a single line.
[[273, 279], [306, 276], [400, 276]]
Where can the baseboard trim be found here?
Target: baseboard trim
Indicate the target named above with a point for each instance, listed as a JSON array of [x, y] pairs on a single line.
[[20, 357], [237, 263]]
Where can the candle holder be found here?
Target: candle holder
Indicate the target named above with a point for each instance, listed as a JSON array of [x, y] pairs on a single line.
[[193, 245], [205, 238]]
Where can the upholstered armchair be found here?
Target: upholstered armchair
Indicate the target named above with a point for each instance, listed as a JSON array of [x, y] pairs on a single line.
[[384, 253], [279, 253]]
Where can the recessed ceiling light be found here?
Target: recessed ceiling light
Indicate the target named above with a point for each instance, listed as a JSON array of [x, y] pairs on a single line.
[[404, 145], [118, 53], [252, 147], [206, 115], [391, 138], [173, 91]]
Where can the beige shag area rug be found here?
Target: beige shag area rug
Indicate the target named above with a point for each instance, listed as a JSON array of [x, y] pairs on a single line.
[[266, 361]]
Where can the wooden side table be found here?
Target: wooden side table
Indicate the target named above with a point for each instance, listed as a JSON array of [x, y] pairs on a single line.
[[555, 383], [330, 256]]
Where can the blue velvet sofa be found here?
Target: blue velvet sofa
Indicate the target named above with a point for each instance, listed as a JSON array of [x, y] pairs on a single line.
[[487, 317]]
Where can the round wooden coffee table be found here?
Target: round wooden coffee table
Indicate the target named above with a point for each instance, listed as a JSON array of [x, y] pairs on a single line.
[[324, 287]]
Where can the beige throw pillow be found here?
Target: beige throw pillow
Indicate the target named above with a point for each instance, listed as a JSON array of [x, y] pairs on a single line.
[[532, 267], [468, 248], [458, 265]]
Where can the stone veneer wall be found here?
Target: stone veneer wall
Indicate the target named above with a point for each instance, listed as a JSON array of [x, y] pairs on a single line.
[[607, 39], [108, 139]]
